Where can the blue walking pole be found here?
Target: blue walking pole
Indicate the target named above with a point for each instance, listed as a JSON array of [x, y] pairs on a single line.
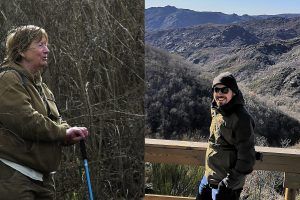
[[86, 168]]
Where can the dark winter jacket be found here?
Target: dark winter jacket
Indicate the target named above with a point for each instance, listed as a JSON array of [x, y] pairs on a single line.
[[231, 143]]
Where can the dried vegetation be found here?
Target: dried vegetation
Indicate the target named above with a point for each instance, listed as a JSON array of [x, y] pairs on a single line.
[[96, 72]]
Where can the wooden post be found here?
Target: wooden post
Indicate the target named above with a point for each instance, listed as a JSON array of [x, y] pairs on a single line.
[[290, 194], [291, 183]]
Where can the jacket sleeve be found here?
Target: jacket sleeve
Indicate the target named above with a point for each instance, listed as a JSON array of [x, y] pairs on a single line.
[[245, 145], [19, 117]]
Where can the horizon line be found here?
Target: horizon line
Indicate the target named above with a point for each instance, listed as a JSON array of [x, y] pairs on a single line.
[[222, 12]]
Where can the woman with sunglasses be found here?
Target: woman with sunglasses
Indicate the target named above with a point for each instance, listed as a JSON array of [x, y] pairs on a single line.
[[230, 155]]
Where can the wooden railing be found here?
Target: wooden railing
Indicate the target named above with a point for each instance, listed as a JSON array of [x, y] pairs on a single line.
[[193, 153]]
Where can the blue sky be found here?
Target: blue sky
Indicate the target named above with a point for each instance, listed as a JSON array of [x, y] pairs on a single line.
[[240, 7]]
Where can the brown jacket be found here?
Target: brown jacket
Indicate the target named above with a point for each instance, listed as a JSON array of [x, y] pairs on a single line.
[[31, 130]]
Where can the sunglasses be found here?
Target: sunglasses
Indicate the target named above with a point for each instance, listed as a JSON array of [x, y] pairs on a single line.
[[223, 90]]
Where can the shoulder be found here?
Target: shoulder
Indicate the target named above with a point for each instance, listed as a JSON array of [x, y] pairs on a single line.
[[242, 113], [10, 81], [242, 117], [10, 76]]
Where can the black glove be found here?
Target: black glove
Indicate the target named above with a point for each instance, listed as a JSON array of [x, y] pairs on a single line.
[[233, 179], [223, 184], [224, 192]]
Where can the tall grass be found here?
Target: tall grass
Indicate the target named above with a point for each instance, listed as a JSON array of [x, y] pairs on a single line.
[[176, 180], [96, 71]]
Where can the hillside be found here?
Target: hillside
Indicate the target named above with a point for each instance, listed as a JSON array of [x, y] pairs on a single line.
[[178, 100], [170, 17], [263, 54]]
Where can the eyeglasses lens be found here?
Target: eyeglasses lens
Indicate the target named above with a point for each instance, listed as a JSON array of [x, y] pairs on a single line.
[[223, 90]]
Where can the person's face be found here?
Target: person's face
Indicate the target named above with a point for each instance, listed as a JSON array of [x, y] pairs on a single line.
[[222, 94], [35, 57]]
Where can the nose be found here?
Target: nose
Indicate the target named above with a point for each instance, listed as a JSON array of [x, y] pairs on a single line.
[[46, 49]]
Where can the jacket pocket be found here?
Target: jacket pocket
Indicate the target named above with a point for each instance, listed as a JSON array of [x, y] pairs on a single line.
[[221, 161]]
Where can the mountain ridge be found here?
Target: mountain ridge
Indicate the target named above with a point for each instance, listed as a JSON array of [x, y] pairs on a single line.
[[170, 17]]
